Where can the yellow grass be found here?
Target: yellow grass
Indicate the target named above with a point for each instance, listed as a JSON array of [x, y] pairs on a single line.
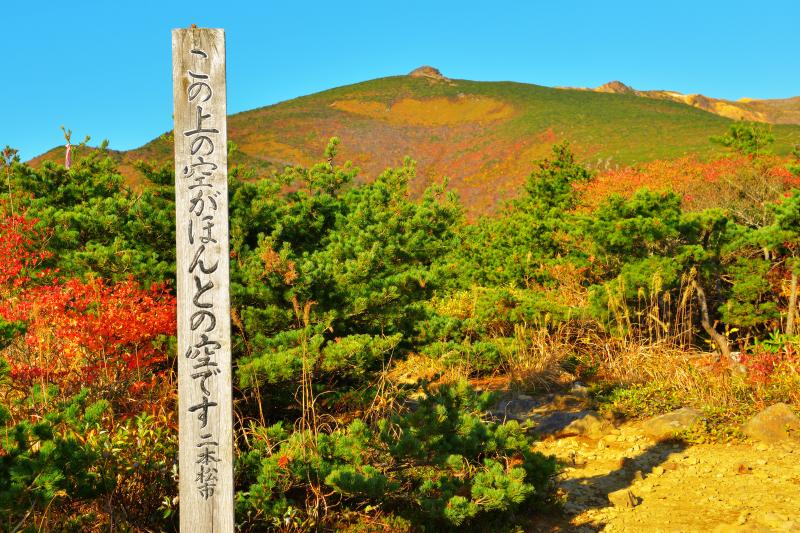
[[737, 113], [431, 111], [260, 144]]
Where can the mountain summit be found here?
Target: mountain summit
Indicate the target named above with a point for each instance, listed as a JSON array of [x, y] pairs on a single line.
[[427, 72], [616, 87]]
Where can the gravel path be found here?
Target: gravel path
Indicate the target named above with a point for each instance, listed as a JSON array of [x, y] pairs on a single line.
[[673, 487]]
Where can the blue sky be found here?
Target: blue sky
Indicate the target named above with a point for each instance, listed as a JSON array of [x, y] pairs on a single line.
[[103, 68]]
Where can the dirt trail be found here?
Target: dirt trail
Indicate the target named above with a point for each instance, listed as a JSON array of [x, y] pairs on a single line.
[[675, 487]]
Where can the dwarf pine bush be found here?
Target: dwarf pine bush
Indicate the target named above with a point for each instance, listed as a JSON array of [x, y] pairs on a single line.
[[439, 463]]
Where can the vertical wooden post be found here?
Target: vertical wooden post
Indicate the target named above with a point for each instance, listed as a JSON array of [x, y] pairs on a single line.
[[205, 437]]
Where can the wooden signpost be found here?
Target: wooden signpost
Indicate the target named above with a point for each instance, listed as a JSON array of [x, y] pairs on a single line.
[[205, 439]]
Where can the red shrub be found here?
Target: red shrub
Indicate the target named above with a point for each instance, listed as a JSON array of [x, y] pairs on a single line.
[[21, 251], [88, 332]]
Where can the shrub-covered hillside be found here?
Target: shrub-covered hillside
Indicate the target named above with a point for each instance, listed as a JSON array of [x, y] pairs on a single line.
[[362, 317]]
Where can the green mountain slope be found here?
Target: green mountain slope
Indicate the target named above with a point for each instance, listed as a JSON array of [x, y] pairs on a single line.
[[482, 135]]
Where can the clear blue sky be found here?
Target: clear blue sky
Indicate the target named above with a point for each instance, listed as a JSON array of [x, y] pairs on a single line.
[[103, 68]]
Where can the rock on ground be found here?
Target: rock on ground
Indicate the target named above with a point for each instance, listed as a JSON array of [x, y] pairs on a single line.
[[774, 424], [623, 498], [588, 424], [665, 426]]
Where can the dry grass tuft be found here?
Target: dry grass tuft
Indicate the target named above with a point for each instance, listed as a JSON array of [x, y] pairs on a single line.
[[536, 358]]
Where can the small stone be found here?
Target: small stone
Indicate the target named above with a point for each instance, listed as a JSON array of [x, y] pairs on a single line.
[[579, 389], [623, 498], [658, 470], [761, 462], [761, 447]]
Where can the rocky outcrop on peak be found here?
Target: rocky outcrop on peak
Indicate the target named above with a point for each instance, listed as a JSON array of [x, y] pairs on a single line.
[[429, 72], [616, 87]]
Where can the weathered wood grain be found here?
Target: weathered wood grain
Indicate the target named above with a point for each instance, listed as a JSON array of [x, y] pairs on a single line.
[[204, 348]]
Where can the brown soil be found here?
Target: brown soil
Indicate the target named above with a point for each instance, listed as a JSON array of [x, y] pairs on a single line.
[[738, 487]]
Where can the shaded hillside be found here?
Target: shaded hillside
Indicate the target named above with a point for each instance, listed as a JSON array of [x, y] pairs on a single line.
[[482, 135]]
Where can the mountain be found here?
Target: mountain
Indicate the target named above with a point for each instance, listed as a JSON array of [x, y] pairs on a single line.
[[484, 136]]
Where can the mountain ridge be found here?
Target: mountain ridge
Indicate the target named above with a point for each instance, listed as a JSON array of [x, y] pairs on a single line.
[[770, 110], [484, 136]]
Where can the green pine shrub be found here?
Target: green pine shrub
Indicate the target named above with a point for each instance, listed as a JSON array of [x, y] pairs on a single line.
[[439, 465], [48, 463]]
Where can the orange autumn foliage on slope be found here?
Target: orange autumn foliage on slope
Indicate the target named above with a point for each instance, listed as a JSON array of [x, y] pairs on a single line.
[[700, 183]]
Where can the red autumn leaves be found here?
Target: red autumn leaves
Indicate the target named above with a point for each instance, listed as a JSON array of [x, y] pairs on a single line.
[[78, 332], [110, 328], [20, 251]]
